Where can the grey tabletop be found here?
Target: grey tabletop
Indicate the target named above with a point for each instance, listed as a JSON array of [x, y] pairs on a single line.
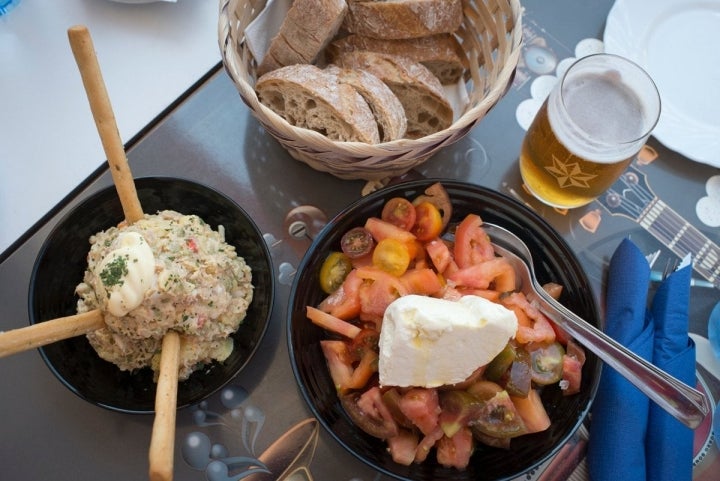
[[211, 137]]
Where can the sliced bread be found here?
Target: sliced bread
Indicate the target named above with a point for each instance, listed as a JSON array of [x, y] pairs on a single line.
[[308, 97], [395, 19], [441, 53], [384, 104], [426, 107], [307, 29]]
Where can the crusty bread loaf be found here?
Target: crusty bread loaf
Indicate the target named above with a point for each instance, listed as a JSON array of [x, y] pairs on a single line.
[[441, 53], [426, 107], [395, 19], [384, 104], [307, 29], [311, 98]]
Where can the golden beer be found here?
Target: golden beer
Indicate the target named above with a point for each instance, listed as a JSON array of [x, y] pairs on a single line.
[[588, 130]]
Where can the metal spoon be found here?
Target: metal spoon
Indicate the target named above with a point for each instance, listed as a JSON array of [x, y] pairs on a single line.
[[686, 404]]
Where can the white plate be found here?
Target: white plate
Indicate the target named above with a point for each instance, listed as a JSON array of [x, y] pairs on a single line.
[[675, 42]]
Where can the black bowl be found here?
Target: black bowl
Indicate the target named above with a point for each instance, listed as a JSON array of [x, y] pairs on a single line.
[[61, 263], [554, 262]]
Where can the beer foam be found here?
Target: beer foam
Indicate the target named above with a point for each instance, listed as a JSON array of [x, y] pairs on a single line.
[[601, 106]]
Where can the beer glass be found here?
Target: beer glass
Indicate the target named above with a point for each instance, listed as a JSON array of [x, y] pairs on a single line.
[[588, 130]]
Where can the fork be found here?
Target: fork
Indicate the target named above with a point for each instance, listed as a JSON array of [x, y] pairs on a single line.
[[686, 404]]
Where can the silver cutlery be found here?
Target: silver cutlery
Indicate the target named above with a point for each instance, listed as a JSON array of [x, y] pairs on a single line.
[[686, 404]]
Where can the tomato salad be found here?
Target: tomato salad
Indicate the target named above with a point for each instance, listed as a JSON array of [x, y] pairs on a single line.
[[406, 251]]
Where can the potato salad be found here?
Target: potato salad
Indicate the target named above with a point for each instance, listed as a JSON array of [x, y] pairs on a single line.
[[167, 271]]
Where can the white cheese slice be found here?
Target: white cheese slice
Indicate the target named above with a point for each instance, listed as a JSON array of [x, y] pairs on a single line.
[[431, 342]]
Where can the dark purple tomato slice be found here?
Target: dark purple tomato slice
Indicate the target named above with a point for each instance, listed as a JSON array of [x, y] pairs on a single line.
[[357, 242], [498, 417]]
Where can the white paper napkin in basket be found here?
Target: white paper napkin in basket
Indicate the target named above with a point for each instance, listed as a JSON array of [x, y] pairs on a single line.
[[265, 26]]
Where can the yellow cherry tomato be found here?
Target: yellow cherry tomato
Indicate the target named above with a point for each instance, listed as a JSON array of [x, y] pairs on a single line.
[[392, 256], [334, 271]]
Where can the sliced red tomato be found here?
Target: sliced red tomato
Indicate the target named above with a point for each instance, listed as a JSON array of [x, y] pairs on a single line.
[[553, 289], [572, 367], [533, 325], [365, 369], [379, 290], [439, 254], [489, 294], [366, 340], [455, 452], [332, 323], [472, 244], [571, 375], [338, 360], [496, 273], [400, 212], [391, 398], [357, 242], [345, 301], [428, 222], [532, 412], [371, 403], [381, 229], [392, 256], [422, 407], [422, 281], [403, 446], [369, 414]]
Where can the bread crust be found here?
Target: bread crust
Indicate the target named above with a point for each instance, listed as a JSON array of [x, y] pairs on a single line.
[[308, 97], [426, 107], [384, 104], [398, 19], [309, 26], [440, 53]]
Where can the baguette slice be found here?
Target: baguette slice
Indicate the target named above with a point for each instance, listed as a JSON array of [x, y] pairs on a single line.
[[310, 98], [426, 107], [307, 29], [384, 104], [396, 19], [441, 53]]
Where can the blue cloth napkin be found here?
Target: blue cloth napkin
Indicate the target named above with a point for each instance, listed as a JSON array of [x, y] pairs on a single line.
[[618, 421], [630, 436], [669, 443]]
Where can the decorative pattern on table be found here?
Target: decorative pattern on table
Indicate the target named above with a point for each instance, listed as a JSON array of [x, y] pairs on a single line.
[[285, 459]]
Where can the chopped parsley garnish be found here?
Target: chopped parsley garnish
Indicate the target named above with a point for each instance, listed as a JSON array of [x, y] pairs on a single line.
[[114, 272]]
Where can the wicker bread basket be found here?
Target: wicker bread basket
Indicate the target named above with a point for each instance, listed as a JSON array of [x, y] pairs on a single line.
[[490, 36]]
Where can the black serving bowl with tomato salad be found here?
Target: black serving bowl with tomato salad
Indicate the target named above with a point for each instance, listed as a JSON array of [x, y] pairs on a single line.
[[506, 441]]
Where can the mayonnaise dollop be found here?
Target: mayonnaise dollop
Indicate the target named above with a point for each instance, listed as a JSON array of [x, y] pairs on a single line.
[[431, 342], [127, 273]]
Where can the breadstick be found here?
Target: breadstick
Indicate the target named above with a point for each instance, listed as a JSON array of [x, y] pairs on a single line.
[[162, 443], [47, 332], [84, 52]]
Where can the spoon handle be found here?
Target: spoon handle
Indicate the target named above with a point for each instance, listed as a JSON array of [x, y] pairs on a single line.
[[686, 404]]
